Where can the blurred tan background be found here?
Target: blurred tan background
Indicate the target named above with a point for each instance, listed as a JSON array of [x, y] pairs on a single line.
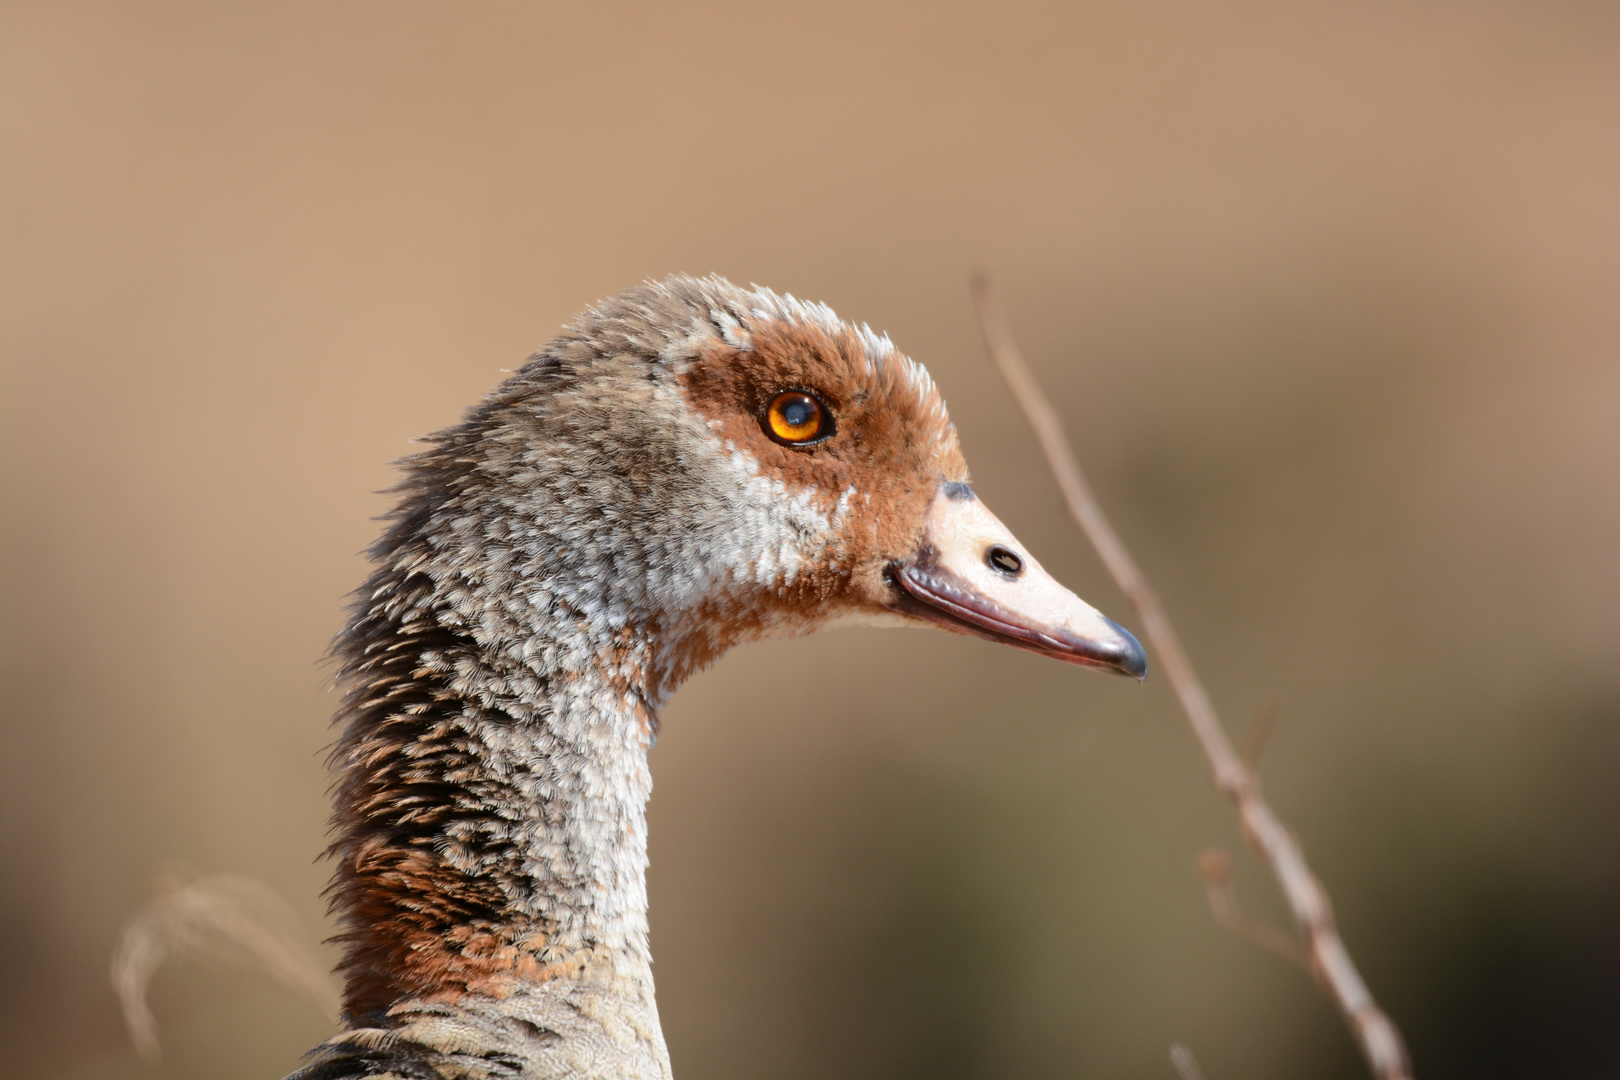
[[1328, 295]]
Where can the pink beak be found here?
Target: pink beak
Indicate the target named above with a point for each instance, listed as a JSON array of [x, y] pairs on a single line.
[[970, 575]]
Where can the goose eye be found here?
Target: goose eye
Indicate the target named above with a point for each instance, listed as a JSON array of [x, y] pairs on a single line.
[[796, 418]]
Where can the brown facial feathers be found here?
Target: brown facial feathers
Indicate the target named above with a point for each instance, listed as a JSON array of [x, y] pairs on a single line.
[[892, 448]]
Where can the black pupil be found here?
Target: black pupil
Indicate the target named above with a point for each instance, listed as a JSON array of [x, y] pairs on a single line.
[[798, 412], [1001, 559]]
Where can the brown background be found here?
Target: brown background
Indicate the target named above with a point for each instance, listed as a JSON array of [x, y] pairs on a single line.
[[1327, 295]]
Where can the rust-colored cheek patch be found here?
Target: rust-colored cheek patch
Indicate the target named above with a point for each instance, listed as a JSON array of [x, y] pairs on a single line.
[[893, 445]]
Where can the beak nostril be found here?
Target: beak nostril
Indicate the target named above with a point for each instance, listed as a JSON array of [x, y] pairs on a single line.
[[1004, 562]]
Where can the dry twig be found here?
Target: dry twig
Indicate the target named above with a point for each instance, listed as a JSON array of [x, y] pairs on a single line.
[[1254, 740], [1215, 867], [1329, 962]]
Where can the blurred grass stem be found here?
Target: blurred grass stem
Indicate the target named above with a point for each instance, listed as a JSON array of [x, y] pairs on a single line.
[[1186, 1065], [223, 917], [1307, 900]]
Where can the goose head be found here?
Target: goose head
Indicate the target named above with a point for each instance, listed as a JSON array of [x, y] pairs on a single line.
[[856, 505], [696, 465]]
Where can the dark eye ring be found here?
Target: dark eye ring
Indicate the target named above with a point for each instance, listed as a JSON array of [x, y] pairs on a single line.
[[798, 418]]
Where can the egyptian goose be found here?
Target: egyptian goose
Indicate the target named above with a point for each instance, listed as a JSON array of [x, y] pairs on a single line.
[[689, 466]]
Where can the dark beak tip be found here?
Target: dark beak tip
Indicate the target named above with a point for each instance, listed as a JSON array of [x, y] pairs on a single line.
[[1131, 658]]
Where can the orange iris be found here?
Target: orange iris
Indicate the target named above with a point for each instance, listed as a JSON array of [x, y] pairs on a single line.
[[796, 418]]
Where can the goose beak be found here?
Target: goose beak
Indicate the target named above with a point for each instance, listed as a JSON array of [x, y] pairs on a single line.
[[970, 575]]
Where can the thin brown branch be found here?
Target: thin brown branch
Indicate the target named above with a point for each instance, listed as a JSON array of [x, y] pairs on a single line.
[[1307, 900], [1215, 867], [1254, 740]]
